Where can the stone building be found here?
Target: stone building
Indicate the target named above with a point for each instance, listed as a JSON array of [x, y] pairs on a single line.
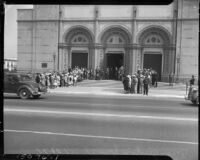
[[10, 64], [56, 37]]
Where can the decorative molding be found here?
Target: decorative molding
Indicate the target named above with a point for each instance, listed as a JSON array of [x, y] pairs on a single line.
[[154, 29], [126, 46], [112, 20]]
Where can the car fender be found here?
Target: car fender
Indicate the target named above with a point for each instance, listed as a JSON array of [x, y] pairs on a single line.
[[25, 86]]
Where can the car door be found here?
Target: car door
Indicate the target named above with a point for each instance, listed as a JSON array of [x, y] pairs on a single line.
[[12, 83], [7, 84]]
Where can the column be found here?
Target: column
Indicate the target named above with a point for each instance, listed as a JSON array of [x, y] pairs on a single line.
[[131, 61], [96, 56], [60, 59], [101, 58], [134, 60], [66, 63], [133, 51]]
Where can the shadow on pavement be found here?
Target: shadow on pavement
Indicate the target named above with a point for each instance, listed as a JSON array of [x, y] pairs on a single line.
[[116, 90], [188, 104], [11, 97], [16, 97]]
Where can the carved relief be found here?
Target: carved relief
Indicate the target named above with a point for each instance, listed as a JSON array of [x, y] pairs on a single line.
[[143, 25], [68, 26], [104, 25]]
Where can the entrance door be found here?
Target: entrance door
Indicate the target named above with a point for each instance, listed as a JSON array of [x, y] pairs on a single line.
[[114, 60], [153, 61], [79, 59]]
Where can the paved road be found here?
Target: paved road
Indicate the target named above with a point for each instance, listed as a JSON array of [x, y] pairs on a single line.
[[77, 124]]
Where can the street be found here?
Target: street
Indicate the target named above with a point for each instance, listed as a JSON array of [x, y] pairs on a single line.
[[90, 124]]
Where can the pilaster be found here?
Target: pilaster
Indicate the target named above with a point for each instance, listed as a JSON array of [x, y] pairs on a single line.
[[95, 50]]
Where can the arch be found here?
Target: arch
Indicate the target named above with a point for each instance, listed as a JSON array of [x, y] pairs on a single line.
[[74, 31], [116, 29], [155, 44], [157, 30]]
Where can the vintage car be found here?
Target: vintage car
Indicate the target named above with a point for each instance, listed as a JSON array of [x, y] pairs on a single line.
[[23, 86], [193, 95]]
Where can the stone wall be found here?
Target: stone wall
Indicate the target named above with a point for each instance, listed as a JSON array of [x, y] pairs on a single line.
[[187, 39], [38, 33]]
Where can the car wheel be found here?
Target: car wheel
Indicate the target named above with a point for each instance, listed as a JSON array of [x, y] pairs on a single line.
[[36, 96], [24, 93]]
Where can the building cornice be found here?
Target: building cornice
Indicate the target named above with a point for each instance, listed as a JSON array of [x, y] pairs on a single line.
[[112, 20], [126, 46]]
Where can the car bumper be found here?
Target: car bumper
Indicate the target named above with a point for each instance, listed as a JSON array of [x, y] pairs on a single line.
[[38, 93]]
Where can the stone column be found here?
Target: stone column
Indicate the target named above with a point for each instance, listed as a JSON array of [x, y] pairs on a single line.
[[101, 60], [69, 57], [139, 58], [134, 59], [60, 60], [96, 56], [66, 63], [134, 50], [131, 61], [172, 59]]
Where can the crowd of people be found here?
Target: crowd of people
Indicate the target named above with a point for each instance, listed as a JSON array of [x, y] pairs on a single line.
[[62, 79], [72, 76], [139, 82], [114, 73]]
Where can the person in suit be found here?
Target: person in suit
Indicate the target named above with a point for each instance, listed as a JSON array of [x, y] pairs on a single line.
[[146, 83], [192, 80]]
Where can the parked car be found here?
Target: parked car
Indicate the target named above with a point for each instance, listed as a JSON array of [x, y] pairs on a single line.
[[193, 95], [23, 86]]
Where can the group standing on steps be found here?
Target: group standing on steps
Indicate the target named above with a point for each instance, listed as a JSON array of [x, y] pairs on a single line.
[[140, 81]]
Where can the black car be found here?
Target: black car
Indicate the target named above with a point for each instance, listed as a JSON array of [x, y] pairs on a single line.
[[23, 86]]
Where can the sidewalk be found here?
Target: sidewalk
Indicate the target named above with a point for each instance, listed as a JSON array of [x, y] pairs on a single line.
[[115, 88]]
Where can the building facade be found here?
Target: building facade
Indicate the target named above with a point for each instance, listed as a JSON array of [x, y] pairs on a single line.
[[164, 38], [10, 64]]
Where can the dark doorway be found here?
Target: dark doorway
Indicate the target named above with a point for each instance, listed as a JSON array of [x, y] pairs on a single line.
[[114, 60], [153, 61], [80, 60]]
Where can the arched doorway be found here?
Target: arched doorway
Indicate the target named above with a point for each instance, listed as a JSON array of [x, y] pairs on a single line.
[[78, 51], [115, 57], [79, 57], [155, 51], [115, 41]]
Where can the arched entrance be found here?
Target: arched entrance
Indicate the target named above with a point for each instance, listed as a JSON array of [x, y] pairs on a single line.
[[115, 41], [155, 51], [78, 51]]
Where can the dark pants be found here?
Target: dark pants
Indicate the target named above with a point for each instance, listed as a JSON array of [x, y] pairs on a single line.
[[146, 89], [138, 88]]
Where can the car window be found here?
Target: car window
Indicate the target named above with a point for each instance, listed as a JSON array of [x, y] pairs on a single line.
[[25, 78], [15, 78]]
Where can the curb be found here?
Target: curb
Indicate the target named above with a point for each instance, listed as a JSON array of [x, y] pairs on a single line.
[[120, 94]]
